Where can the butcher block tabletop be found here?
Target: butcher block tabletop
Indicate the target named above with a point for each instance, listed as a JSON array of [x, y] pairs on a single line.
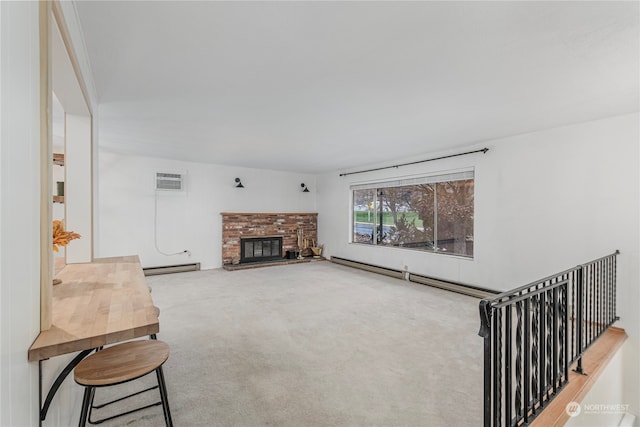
[[98, 303]]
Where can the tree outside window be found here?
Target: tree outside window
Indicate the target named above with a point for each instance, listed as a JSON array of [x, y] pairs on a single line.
[[435, 216]]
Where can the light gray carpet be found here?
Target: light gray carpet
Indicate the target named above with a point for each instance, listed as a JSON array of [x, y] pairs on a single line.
[[313, 344]]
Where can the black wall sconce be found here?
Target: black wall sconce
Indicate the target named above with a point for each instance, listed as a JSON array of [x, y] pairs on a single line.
[[306, 190], [239, 183]]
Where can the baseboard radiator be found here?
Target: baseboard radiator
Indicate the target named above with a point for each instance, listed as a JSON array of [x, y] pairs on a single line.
[[167, 269], [368, 267], [473, 291]]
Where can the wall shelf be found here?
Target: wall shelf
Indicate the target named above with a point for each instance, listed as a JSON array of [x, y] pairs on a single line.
[[58, 159]]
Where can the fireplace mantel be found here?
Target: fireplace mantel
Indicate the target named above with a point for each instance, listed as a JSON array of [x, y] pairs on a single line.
[[238, 225]]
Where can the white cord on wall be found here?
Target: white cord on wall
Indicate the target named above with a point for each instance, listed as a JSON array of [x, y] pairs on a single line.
[[155, 231]]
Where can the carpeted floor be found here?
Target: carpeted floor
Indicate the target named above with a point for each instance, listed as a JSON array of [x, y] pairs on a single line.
[[313, 344]]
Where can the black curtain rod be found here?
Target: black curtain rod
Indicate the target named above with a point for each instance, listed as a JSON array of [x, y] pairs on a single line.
[[484, 150]]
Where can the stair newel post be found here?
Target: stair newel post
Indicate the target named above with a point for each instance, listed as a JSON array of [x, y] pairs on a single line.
[[485, 332], [579, 315]]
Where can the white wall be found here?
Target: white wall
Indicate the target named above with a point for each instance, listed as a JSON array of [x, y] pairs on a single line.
[[609, 390], [78, 187], [544, 202], [190, 220], [19, 211], [57, 211]]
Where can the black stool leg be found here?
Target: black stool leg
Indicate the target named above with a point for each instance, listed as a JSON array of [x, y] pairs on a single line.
[[86, 402], [163, 397]]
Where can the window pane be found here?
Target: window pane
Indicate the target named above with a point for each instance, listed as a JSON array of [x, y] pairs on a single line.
[[408, 216], [363, 215], [266, 248], [455, 217], [248, 249], [416, 216]]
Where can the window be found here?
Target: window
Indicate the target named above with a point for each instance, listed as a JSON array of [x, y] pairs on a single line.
[[433, 213]]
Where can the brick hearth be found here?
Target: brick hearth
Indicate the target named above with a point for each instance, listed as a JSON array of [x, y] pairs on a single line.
[[243, 225]]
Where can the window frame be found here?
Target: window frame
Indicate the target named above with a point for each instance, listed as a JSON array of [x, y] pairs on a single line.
[[431, 179]]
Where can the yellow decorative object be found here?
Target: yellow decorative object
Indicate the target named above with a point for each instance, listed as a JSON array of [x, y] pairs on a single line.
[[317, 251], [61, 237]]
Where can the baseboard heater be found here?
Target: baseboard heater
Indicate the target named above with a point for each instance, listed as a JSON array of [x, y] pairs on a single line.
[[473, 291], [368, 267], [167, 269]]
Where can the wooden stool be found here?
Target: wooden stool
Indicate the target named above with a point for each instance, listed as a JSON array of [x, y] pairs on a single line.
[[122, 363], [103, 405]]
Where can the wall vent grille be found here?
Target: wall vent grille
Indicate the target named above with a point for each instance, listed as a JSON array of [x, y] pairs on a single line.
[[169, 181]]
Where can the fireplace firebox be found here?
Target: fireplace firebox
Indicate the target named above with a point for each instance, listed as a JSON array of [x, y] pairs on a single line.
[[256, 249]]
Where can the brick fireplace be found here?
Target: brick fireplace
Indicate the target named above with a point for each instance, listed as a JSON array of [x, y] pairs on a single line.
[[237, 226]]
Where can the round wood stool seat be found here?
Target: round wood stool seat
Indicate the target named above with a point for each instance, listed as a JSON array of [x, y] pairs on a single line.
[[119, 364]]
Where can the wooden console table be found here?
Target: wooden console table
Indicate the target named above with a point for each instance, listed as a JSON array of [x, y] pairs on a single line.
[[98, 303]]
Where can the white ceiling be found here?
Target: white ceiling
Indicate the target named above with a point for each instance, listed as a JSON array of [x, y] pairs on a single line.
[[323, 86]]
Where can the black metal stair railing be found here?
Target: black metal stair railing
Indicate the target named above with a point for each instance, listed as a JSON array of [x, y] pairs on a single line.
[[535, 333]]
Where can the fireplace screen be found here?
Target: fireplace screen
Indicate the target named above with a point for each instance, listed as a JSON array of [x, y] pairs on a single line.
[[260, 249]]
